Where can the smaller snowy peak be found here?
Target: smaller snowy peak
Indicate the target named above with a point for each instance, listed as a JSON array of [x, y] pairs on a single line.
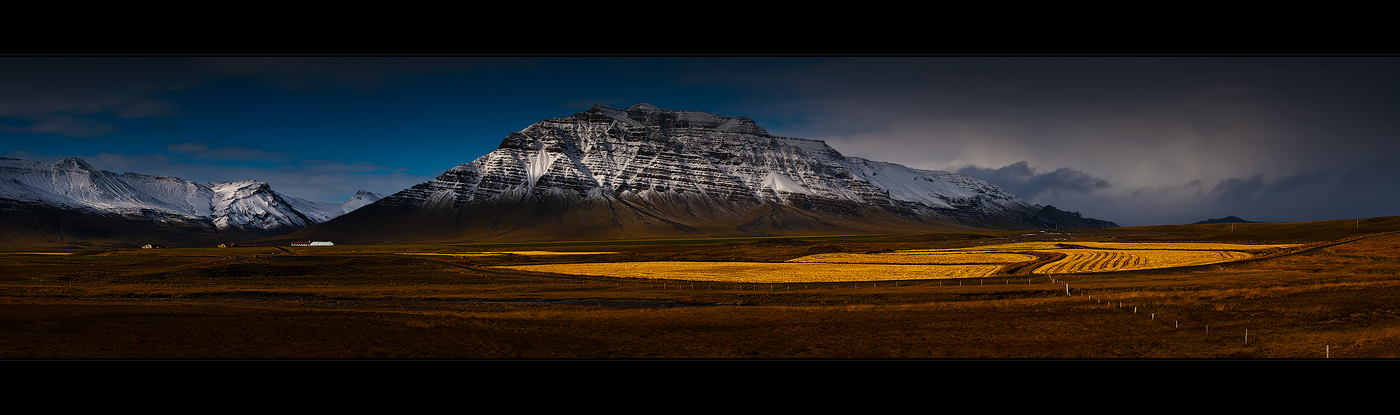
[[361, 198], [322, 211], [643, 106]]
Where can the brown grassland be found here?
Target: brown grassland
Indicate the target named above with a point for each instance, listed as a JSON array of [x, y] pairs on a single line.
[[1287, 290]]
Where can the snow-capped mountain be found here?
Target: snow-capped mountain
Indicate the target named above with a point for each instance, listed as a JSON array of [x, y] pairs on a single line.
[[322, 211], [650, 172], [244, 208]]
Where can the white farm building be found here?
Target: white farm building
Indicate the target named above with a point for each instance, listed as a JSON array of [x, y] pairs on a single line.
[[313, 243]]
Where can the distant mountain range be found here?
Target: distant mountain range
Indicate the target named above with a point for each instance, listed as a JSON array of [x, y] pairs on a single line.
[[71, 202], [646, 172], [1227, 219], [605, 173]]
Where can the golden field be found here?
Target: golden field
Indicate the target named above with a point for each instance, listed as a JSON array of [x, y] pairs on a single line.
[[764, 272], [1095, 260], [1185, 246], [1318, 290], [915, 264], [492, 253], [907, 257]]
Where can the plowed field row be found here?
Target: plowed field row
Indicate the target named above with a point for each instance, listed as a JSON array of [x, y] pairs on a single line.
[[1089, 260], [1188, 246]]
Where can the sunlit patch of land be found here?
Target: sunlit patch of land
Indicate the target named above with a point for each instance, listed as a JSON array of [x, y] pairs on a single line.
[[37, 253], [1099, 260], [493, 253], [1185, 246], [764, 272], [1306, 290], [908, 257], [915, 264]]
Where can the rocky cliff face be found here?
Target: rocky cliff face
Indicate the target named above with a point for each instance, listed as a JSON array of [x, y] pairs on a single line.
[[650, 172]]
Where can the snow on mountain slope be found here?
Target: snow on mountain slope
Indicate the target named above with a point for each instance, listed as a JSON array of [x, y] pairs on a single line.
[[933, 188], [322, 211], [249, 203], [73, 184], [183, 196], [360, 198], [693, 158]]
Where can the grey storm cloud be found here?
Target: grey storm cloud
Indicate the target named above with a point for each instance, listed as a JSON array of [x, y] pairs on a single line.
[[1023, 180], [71, 96], [1144, 140], [1360, 190]]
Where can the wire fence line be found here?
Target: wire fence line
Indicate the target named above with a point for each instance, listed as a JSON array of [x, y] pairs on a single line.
[[1142, 311]]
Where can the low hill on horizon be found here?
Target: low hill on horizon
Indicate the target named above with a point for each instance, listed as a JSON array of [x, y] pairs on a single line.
[[1227, 219]]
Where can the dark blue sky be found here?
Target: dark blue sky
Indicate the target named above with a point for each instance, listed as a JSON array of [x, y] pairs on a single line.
[[1136, 140]]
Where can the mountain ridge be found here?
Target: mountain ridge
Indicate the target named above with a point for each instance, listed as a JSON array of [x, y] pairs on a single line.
[[649, 172]]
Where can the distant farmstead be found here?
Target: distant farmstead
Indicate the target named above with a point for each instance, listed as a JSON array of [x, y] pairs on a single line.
[[233, 245], [313, 243]]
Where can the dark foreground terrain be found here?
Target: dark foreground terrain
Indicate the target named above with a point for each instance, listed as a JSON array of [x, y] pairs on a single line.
[[1339, 299]]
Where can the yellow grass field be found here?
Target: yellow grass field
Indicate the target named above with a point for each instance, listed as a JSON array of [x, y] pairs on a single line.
[[493, 253], [1122, 256], [1100, 260], [38, 253], [1183, 246], [1007, 247], [967, 262], [906, 257], [764, 272]]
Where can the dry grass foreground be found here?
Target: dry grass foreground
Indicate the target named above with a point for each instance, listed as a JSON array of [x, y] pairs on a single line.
[[1337, 300]]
